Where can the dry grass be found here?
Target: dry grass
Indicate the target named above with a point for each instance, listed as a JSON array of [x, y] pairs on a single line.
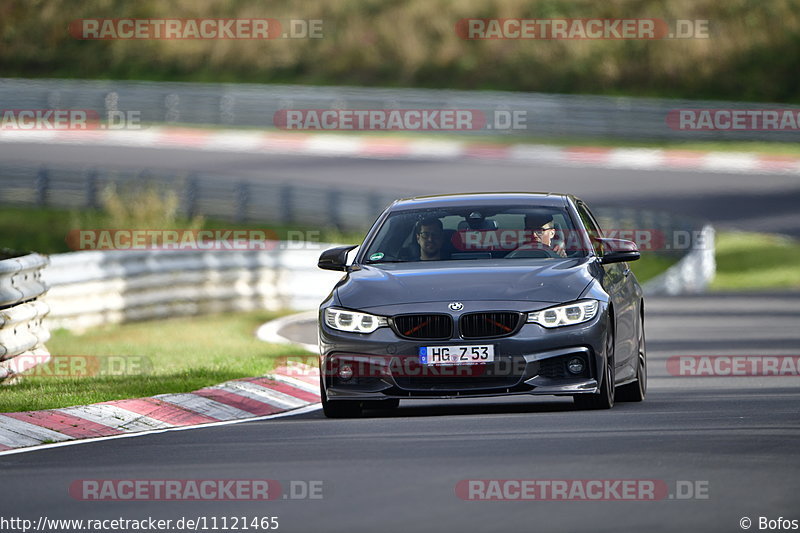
[[144, 205]]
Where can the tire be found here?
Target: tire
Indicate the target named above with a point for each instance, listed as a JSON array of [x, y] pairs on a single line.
[[604, 399], [340, 408], [637, 390]]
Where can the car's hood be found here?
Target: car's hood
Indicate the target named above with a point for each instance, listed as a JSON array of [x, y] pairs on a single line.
[[403, 283]]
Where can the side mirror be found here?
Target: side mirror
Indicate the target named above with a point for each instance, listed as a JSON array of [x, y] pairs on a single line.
[[335, 258], [618, 251]]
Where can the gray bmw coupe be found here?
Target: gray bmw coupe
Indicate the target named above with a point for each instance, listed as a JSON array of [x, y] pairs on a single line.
[[487, 294]]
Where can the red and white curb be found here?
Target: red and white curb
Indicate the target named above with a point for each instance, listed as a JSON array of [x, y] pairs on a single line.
[[238, 400], [333, 145]]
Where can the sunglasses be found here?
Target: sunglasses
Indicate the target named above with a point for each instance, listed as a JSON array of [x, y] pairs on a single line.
[[541, 231]]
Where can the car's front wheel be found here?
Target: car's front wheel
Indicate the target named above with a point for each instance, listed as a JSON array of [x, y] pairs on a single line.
[[604, 399]]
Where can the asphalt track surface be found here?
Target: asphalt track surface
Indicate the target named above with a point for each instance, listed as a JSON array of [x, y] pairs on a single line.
[[735, 437], [752, 202]]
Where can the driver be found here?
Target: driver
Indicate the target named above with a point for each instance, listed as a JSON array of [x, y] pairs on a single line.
[[430, 238], [542, 230]]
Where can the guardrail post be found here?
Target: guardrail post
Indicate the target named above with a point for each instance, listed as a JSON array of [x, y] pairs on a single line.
[[334, 213], [374, 203], [190, 196], [242, 197], [287, 207], [226, 114], [42, 185], [91, 189], [172, 112]]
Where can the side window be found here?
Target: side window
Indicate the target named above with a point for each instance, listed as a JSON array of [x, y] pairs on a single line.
[[592, 227]]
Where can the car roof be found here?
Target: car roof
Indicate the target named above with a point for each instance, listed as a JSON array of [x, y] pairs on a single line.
[[543, 199]]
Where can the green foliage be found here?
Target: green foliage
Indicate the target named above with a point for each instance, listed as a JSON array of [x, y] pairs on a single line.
[[650, 266], [752, 52]]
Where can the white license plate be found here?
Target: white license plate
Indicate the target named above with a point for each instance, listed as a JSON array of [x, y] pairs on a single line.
[[456, 355]]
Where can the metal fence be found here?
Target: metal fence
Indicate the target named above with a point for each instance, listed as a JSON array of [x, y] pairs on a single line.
[[246, 105], [278, 201], [22, 335]]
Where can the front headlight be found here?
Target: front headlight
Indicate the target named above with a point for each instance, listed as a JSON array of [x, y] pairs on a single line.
[[353, 321], [565, 315]]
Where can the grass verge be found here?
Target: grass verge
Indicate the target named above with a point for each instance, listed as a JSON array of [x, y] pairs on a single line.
[[148, 358], [650, 266], [749, 261]]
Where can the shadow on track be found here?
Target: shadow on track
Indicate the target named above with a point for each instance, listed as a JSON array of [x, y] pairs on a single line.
[[427, 408]]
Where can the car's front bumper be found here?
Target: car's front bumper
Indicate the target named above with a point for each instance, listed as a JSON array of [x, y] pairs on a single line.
[[532, 361]]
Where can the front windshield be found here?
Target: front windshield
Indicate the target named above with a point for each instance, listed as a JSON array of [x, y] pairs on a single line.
[[475, 233]]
